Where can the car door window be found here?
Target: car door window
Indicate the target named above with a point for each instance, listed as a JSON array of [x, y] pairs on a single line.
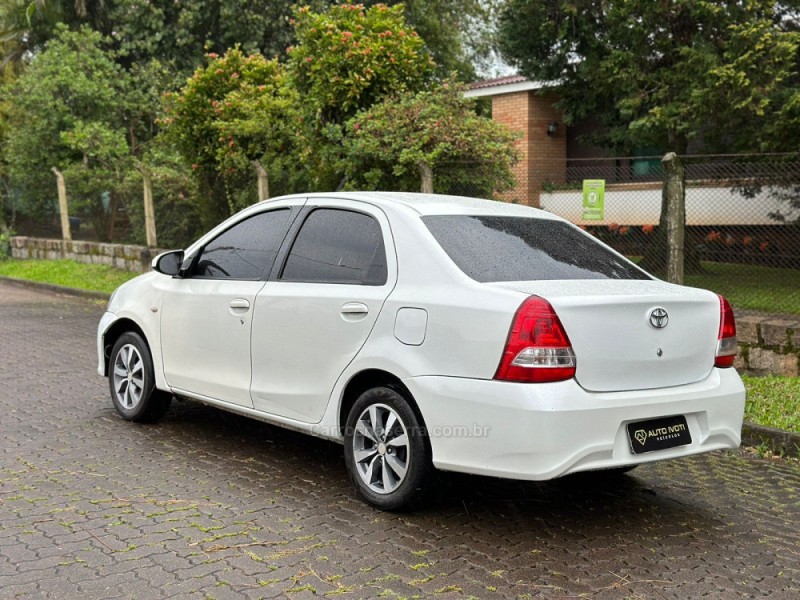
[[337, 246], [246, 250]]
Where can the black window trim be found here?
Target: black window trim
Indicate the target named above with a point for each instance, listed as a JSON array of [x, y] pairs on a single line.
[[295, 211], [291, 238]]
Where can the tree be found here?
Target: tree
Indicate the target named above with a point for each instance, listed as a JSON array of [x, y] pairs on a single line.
[[65, 113], [350, 57], [654, 73], [236, 110], [453, 32], [346, 60], [657, 74], [397, 143]]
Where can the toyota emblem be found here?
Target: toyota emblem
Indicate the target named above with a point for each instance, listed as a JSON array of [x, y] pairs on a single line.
[[659, 318]]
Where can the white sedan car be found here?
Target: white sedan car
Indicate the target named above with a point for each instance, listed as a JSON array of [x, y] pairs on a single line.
[[429, 332]]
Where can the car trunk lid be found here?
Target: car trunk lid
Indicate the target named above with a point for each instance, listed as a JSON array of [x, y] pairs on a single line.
[[633, 334]]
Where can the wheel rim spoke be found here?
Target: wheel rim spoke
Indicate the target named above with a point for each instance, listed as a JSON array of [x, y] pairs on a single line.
[[401, 441], [395, 465], [373, 420], [366, 431], [371, 475], [391, 421], [362, 456], [386, 477]]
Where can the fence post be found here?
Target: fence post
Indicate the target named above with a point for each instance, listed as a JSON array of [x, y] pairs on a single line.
[[66, 232], [149, 211], [426, 174], [263, 180], [674, 196]]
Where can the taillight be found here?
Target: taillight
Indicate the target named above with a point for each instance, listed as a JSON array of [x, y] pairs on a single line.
[[726, 340], [538, 349]]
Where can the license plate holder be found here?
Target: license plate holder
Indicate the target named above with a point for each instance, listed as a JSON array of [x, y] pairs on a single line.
[[658, 434]]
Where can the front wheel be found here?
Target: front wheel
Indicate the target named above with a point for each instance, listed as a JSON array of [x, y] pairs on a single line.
[[386, 450], [132, 382]]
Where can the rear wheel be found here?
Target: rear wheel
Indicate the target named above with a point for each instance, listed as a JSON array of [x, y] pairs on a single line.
[[386, 450], [132, 382]]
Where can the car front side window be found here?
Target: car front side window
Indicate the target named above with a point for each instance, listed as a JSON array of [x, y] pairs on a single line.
[[245, 251]]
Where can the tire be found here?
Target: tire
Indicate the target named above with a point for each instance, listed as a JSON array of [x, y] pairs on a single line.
[[389, 467], [132, 383]]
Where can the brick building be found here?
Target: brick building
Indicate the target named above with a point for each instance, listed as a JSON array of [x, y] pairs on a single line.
[[526, 107]]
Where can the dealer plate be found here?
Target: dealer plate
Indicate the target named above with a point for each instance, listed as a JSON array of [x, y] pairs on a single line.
[[658, 434]]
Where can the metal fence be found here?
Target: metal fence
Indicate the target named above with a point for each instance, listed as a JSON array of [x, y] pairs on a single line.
[[742, 219]]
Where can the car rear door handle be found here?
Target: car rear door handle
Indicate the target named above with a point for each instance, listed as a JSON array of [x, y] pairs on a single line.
[[239, 306], [355, 309]]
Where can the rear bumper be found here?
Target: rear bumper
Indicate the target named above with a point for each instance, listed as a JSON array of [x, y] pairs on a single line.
[[542, 431]]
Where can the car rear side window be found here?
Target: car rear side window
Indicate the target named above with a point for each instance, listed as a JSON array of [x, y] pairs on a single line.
[[246, 250], [337, 246], [489, 248]]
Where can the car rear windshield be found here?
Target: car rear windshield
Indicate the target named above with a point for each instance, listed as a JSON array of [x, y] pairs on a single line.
[[523, 249]]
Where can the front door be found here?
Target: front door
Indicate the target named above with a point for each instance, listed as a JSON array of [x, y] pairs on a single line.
[[207, 316]]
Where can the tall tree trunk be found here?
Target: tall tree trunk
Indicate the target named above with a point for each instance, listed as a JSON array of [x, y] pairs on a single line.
[[426, 176], [656, 254], [263, 180], [674, 197]]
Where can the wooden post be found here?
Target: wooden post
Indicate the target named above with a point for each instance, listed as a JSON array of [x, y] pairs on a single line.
[[149, 211], [263, 180], [66, 232], [426, 174], [674, 196]]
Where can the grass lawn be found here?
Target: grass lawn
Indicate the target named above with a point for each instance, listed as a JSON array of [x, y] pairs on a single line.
[[773, 401], [97, 278], [750, 287]]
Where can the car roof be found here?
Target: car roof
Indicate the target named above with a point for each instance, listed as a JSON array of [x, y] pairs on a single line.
[[438, 204]]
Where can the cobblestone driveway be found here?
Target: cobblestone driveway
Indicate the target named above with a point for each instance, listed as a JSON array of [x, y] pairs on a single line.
[[208, 505]]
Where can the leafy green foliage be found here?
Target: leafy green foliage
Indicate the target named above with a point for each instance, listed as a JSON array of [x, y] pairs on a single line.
[[177, 214], [236, 110], [350, 58], [386, 144], [454, 32], [65, 113], [657, 73]]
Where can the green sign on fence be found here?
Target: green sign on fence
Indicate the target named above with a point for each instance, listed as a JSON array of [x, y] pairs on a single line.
[[594, 199]]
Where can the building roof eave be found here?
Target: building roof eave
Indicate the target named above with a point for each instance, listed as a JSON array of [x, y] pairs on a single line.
[[506, 85]]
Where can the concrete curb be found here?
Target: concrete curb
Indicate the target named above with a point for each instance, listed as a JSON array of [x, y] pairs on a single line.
[[778, 441], [59, 289]]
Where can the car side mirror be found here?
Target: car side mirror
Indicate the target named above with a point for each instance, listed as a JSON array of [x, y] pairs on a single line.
[[169, 263]]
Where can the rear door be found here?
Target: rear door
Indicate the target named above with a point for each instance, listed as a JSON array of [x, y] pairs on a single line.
[[321, 304], [207, 315]]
